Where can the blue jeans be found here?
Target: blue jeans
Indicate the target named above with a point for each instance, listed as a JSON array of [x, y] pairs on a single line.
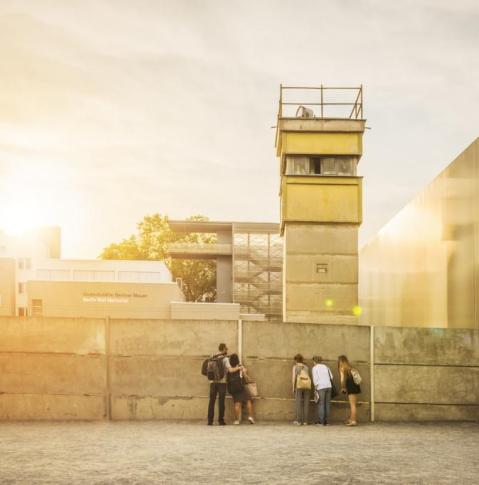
[[324, 404]]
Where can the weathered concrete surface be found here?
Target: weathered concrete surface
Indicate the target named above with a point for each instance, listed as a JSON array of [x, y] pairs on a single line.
[[179, 453], [55, 368], [313, 296], [52, 374], [158, 376], [337, 268], [17, 407], [195, 408], [171, 337], [283, 410], [274, 377], [284, 340], [168, 408], [331, 238], [426, 412], [52, 335], [426, 384], [309, 317], [435, 346]]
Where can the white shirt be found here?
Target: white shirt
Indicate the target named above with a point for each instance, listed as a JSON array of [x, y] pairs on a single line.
[[321, 376]]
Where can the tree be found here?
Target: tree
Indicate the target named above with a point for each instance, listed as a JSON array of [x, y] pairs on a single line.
[[151, 243]]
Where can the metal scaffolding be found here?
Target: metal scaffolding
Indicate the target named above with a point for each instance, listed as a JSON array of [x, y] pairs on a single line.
[[257, 269]]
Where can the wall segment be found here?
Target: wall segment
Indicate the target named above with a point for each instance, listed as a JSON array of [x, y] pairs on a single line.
[[94, 369]]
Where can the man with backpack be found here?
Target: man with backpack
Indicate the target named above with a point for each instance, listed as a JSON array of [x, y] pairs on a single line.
[[217, 368]]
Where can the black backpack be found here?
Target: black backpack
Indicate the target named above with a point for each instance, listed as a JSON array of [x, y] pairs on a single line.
[[213, 367]]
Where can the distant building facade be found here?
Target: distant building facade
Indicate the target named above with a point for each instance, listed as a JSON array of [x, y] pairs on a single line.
[[34, 281]]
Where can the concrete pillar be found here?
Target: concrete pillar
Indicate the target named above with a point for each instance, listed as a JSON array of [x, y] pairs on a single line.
[[224, 279]]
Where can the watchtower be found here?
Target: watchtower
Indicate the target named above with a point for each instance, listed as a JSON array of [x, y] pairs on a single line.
[[319, 144]]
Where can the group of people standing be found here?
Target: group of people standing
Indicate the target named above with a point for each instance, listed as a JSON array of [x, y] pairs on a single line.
[[324, 388], [228, 374]]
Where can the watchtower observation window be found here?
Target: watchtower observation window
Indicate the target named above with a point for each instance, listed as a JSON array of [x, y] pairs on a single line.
[[321, 166]]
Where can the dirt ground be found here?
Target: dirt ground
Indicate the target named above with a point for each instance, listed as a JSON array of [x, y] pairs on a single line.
[[165, 452]]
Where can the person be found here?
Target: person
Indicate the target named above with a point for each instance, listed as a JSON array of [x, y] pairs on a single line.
[[349, 387], [322, 380], [301, 392], [240, 394], [218, 388]]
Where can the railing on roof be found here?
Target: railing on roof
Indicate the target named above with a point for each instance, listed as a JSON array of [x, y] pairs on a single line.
[[332, 102]]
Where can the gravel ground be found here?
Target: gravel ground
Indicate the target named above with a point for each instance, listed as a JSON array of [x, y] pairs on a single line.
[[165, 452]]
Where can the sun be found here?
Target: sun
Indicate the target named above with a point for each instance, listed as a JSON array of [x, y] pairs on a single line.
[[25, 201], [19, 220]]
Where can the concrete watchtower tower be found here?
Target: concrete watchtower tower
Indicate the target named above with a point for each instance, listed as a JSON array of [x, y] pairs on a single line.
[[319, 144]]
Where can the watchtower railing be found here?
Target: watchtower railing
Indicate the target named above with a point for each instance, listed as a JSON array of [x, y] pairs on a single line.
[[324, 97]]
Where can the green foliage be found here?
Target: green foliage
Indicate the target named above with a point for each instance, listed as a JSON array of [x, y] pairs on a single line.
[[151, 243]]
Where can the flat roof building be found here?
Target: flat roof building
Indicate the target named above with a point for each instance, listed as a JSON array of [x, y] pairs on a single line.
[[35, 281]]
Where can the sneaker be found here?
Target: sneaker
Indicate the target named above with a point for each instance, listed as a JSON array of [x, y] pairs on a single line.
[[351, 423], [251, 420], [305, 424], [221, 423], [236, 422], [297, 423], [325, 423], [210, 424]]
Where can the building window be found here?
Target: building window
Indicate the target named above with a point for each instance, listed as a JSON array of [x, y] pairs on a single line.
[[83, 275], [21, 288], [43, 274], [22, 311], [60, 275], [37, 307], [21, 263], [104, 276], [334, 165]]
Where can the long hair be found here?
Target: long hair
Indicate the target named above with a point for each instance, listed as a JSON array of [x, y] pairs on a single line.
[[234, 360], [343, 363]]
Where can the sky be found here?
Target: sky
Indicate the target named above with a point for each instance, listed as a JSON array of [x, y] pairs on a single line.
[[114, 109]]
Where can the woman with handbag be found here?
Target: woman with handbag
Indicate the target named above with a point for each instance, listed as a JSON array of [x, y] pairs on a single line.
[[350, 380], [238, 390], [301, 390]]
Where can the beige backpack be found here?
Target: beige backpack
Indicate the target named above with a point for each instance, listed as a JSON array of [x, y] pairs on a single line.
[[303, 381]]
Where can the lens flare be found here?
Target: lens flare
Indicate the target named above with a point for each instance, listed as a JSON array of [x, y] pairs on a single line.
[[357, 310]]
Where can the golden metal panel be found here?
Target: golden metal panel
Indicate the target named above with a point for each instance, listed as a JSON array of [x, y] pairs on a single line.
[[321, 143], [321, 199], [421, 268]]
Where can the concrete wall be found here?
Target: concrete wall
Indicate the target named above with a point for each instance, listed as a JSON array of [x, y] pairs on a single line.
[[268, 354], [94, 369], [52, 369], [426, 374], [189, 310], [320, 277]]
